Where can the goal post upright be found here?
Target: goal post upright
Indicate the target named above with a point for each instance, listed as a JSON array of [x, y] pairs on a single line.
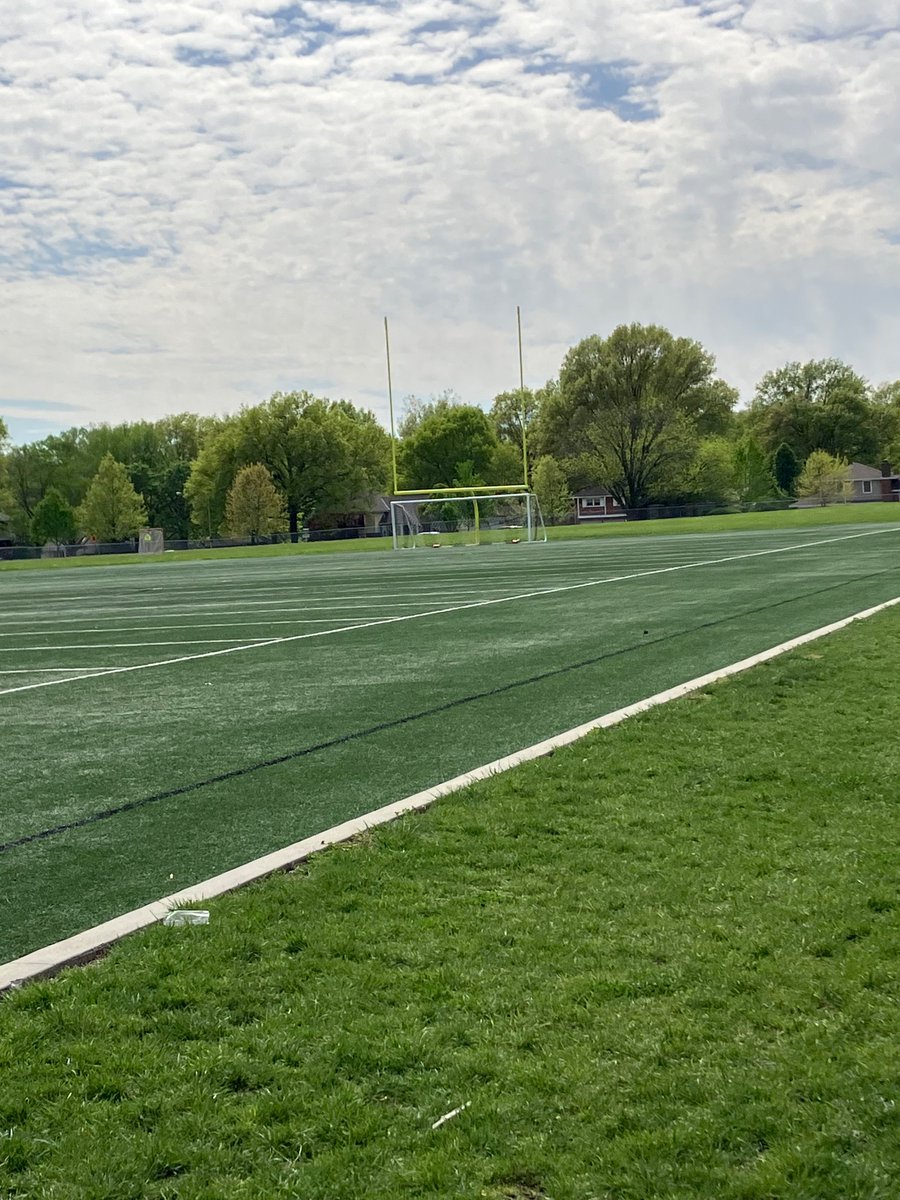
[[522, 398], [387, 351]]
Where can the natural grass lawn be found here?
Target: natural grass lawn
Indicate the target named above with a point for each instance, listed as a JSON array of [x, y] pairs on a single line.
[[661, 964], [799, 518]]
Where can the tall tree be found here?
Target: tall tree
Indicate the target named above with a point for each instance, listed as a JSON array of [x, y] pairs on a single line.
[[53, 520], [30, 472], [710, 479], [631, 408], [415, 409], [551, 486], [824, 476], [819, 405], [255, 507], [786, 469], [753, 476], [443, 440], [321, 454], [112, 510]]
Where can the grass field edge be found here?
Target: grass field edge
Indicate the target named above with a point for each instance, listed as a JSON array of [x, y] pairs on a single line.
[[82, 947]]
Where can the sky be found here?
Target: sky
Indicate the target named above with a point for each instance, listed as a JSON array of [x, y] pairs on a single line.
[[205, 201]]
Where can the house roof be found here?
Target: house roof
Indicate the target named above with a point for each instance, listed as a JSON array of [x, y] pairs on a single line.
[[859, 471], [588, 493]]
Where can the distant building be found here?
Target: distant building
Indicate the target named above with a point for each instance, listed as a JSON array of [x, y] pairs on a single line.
[[596, 504], [6, 537], [869, 483]]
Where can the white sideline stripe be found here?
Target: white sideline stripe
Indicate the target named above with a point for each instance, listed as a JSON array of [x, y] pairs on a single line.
[[84, 946], [437, 612]]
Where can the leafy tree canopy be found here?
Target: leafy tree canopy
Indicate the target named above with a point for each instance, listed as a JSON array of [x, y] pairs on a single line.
[[630, 408], [254, 507], [445, 438], [321, 454], [53, 520], [820, 405], [112, 510], [753, 478], [551, 486], [824, 476], [786, 468]]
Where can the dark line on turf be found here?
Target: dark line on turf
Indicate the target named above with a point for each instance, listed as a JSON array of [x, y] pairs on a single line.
[[398, 722]]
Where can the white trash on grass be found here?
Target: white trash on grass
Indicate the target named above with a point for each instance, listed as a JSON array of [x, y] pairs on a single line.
[[187, 916]]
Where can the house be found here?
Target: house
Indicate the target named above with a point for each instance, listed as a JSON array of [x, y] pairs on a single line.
[[365, 516], [868, 483], [6, 537], [596, 504]]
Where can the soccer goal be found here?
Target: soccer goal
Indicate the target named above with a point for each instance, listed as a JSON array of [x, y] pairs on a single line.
[[151, 541], [437, 521]]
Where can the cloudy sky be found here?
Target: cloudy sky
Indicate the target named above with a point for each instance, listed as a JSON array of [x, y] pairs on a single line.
[[206, 200]]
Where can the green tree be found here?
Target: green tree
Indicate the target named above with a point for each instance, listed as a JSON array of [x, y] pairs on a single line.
[[30, 472], [512, 414], [415, 409], [631, 408], [53, 520], [507, 466], [824, 476], [819, 405], [255, 507], [753, 478], [551, 486], [785, 468], [710, 477], [321, 454], [5, 498], [443, 439], [112, 510]]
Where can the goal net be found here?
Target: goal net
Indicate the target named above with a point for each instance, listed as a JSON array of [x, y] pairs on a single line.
[[151, 541], [437, 521]]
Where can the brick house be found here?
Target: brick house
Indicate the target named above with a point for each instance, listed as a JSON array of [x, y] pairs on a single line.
[[869, 483], [596, 504]]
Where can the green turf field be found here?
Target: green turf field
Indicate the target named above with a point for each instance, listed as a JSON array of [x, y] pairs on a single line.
[[160, 724]]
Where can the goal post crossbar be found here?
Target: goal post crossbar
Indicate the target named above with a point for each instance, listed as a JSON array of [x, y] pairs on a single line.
[[486, 491]]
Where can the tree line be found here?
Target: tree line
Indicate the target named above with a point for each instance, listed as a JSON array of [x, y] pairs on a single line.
[[641, 412]]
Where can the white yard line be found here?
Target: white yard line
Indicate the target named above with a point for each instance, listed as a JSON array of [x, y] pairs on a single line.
[[125, 645], [84, 946], [167, 628], [45, 670], [437, 612]]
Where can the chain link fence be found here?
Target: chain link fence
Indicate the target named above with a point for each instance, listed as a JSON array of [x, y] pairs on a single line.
[[84, 549]]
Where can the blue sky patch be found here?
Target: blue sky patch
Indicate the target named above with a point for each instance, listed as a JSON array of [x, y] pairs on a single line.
[[192, 56], [601, 86], [70, 256]]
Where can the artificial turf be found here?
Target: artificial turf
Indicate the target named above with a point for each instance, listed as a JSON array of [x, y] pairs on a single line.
[[661, 965], [121, 788]]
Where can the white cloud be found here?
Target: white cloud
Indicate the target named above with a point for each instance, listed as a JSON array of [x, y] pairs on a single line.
[[194, 236]]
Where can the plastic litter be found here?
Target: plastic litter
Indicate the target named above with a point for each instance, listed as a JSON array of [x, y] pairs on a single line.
[[450, 1115], [187, 916]]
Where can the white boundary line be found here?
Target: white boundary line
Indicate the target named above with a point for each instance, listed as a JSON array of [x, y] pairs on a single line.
[[437, 612], [84, 946]]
